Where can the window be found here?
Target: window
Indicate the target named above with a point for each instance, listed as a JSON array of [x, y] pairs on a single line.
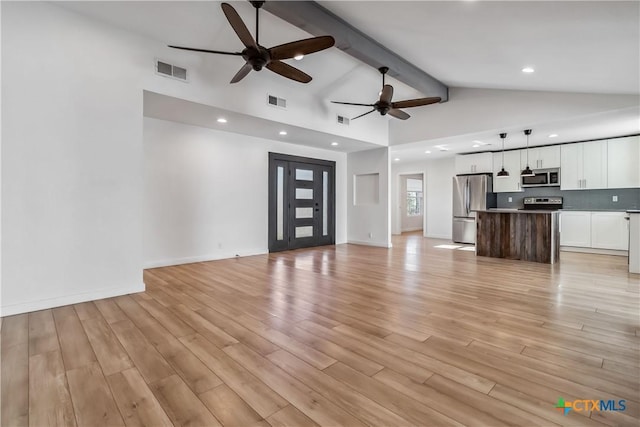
[[414, 203], [414, 197]]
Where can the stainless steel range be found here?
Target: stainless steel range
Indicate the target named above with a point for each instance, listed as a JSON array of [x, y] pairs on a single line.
[[542, 203]]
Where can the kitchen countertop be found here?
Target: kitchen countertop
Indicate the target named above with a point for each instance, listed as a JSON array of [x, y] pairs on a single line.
[[524, 211], [593, 210]]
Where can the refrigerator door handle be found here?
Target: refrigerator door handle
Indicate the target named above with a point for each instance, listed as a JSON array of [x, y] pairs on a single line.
[[468, 197]]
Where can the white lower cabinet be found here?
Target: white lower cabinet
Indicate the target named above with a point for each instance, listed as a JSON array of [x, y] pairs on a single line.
[[575, 229], [609, 230], [596, 230]]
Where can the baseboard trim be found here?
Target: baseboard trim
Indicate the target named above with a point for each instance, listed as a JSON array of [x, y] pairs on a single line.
[[408, 230], [438, 236], [360, 243], [26, 307], [594, 251], [200, 258]]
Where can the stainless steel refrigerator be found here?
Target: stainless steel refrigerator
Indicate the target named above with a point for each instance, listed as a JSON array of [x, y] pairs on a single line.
[[470, 193]]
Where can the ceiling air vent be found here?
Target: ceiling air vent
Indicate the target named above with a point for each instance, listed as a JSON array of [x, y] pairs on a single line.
[[276, 102], [343, 120], [168, 70]]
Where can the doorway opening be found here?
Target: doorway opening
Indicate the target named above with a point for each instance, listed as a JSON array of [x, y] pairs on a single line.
[[301, 202], [411, 202]]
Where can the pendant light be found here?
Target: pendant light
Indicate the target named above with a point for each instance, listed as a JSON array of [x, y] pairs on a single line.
[[503, 173], [527, 171]]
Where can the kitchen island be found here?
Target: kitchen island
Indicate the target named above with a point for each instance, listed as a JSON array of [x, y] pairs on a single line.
[[527, 235]]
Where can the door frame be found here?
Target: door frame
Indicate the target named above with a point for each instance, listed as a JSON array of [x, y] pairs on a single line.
[[279, 159], [402, 200]]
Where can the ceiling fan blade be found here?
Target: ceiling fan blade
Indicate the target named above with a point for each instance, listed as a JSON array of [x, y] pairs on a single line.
[[386, 94], [288, 71], [352, 103], [368, 112], [206, 50], [301, 47], [398, 114], [416, 102], [242, 73], [238, 26]]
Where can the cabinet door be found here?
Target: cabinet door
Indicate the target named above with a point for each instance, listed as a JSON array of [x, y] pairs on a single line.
[[512, 165], [623, 158], [609, 230], [547, 157], [575, 229], [594, 170], [464, 164], [571, 167], [483, 162]]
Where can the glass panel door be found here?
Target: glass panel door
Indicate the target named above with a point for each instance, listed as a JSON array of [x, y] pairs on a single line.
[[301, 202]]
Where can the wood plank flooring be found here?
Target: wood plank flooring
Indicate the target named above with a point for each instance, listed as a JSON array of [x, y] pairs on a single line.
[[346, 335]]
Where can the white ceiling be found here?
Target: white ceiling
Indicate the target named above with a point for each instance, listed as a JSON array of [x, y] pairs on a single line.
[[574, 46], [586, 46]]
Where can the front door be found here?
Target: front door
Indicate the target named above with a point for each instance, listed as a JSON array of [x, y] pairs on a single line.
[[301, 202]]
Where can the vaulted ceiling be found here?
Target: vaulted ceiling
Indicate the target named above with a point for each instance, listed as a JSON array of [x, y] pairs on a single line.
[[575, 47]]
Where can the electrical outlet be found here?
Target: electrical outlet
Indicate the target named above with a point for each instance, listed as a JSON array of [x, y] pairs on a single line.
[[370, 234], [614, 198], [510, 199]]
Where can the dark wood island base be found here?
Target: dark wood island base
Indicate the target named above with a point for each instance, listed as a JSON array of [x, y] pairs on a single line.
[[524, 234]]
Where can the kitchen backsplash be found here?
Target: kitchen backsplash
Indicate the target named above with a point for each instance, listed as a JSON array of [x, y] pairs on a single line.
[[628, 198]]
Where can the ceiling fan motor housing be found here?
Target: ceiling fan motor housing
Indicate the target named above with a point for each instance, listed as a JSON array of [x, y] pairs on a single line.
[[258, 58], [382, 107]]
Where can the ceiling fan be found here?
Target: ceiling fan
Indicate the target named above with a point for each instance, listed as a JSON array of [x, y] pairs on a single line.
[[384, 105], [257, 56]]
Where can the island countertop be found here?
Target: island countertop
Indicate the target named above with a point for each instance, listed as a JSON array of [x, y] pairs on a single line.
[[520, 211], [528, 235]]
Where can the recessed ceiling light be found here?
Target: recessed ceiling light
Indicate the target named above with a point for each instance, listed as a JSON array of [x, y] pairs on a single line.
[[553, 135], [396, 159], [427, 152], [476, 145], [222, 120], [298, 57], [334, 143], [528, 70], [283, 132]]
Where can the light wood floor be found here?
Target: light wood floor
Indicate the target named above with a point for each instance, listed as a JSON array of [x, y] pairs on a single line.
[[345, 335]]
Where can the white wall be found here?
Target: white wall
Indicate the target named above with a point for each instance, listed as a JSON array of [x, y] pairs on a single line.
[[72, 149], [206, 192], [438, 197], [369, 224], [71, 156]]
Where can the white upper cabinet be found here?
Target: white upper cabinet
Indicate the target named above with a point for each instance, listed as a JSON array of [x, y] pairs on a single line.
[[623, 158], [583, 165], [541, 157], [571, 167], [595, 164], [511, 165], [474, 163]]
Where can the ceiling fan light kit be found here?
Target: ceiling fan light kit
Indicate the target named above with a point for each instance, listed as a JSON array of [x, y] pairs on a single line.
[[258, 57], [385, 106]]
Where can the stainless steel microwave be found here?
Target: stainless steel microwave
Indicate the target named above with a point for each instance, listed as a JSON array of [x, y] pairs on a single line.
[[542, 178]]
